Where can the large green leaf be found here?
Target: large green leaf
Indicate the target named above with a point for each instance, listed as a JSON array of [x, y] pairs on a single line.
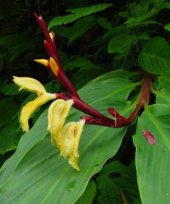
[[77, 13], [36, 173], [152, 161]]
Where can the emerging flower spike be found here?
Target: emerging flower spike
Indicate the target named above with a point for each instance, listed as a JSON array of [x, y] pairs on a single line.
[[57, 114], [35, 86], [71, 136]]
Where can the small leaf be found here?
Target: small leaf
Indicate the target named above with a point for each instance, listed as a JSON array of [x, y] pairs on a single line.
[[167, 27], [154, 57], [81, 62], [81, 27], [103, 22], [121, 44]]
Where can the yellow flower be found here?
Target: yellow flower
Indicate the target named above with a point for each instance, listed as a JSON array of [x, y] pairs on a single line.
[[65, 137], [57, 115], [71, 136], [35, 86]]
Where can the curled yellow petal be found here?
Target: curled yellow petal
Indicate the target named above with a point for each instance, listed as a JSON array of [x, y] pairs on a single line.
[[42, 61], [54, 66], [71, 136], [31, 107], [32, 85], [29, 84], [57, 114]]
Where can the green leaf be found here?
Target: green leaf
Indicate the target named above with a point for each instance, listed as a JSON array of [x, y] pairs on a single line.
[[8, 107], [152, 160], [16, 44], [108, 191], [163, 90], [125, 178], [121, 43], [8, 89], [9, 136], [167, 27], [36, 172], [77, 13], [79, 62], [155, 56], [103, 22], [88, 195], [81, 27]]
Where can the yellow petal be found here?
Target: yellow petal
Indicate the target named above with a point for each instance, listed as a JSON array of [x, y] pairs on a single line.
[[71, 136], [29, 84], [54, 66], [57, 114], [31, 107], [42, 61], [52, 35]]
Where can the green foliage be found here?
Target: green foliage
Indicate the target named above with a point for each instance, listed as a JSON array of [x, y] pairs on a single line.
[[104, 49], [50, 172], [154, 57], [77, 13]]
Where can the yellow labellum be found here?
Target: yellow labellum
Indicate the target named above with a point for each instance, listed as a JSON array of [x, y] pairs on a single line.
[[71, 136], [54, 66], [57, 114], [35, 86], [42, 61]]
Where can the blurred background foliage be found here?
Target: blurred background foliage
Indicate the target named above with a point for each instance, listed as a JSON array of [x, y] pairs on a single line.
[[92, 41]]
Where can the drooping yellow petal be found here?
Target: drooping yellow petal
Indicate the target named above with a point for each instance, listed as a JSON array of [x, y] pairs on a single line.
[[54, 66], [42, 61], [31, 107], [71, 136], [57, 113], [29, 84]]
